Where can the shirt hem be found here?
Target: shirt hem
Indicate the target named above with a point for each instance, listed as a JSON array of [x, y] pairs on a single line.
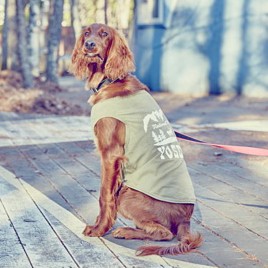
[[161, 198]]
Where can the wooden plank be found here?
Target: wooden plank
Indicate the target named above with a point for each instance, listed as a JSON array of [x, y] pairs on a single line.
[[46, 129], [77, 148], [39, 240], [134, 244], [12, 253], [80, 200], [230, 192], [230, 177], [95, 256], [46, 175], [5, 139], [246, 210], [89, 207], [86, 254], [94, 163], [196, 259], [26, 169], [76, 195], [71, 166], [219, 250], [75, 226], [60, 129], [217, 215], [65, 217], [52, 152], [18, 135]]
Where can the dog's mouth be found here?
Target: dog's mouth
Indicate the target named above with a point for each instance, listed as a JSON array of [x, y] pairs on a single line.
[[94, 55]]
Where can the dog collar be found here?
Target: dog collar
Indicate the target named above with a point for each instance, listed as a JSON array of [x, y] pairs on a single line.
[[103, 83]]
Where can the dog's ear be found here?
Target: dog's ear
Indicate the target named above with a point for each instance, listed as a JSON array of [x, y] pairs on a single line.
[[80, 64], [120, 59]]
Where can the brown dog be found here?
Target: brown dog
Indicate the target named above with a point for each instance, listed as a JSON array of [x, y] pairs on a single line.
[[144, 176]]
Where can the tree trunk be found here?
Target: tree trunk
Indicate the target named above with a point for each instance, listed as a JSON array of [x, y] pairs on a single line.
[[75, 20], [54, 35], [22, 46], [100, 11], [95, 9], [44, 17], [123, 14], [4, 39], [106, 11], [9, 38], [33, 31]]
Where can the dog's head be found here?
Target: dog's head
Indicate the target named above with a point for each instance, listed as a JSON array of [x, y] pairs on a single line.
[[101, 48]]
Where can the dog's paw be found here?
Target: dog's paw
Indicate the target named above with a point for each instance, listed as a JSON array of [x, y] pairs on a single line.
[[92, 231], [123, 233]]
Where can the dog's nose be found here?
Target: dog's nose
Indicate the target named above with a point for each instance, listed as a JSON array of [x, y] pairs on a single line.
[[89, 45]]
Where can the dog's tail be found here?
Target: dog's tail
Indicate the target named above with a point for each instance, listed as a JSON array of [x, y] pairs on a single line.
[[187, 244]]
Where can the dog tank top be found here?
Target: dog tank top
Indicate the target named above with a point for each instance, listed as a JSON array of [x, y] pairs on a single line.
[[155, 161]]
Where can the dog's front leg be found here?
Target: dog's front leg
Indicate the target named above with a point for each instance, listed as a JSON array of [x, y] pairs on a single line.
[[107, 204], [110, 135]]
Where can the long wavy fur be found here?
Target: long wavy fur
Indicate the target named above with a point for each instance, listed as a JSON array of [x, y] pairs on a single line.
[[119, 62], [188, 244]]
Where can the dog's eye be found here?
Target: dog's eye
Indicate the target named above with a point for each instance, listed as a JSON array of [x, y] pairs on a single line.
[[86, 34], [104, 34]]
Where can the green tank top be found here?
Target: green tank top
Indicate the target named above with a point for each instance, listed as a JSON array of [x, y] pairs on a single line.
[[155, 161]]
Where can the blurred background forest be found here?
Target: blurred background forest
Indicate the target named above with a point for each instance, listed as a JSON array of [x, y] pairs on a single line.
[[38, 36], [222, 46]]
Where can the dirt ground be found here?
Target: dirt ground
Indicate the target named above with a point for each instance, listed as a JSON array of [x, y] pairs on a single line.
[[44, 98]]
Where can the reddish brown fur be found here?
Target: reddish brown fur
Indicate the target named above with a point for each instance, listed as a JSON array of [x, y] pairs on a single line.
[[155, 220]]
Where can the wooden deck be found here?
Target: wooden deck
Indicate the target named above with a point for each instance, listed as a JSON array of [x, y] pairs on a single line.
[[49, 183]]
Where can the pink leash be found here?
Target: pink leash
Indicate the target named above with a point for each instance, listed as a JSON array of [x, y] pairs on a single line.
[[233, 148]]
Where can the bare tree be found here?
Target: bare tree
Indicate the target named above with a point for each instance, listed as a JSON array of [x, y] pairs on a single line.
[[105, 9], [22, 46], [44, 22], [33, 35], [75, 18], [4, 39], [54, 35], [123, 10], [40, 53], [9, 37], [100, 11]]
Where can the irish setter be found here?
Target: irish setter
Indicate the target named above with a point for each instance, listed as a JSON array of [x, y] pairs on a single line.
[[102, 57]]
